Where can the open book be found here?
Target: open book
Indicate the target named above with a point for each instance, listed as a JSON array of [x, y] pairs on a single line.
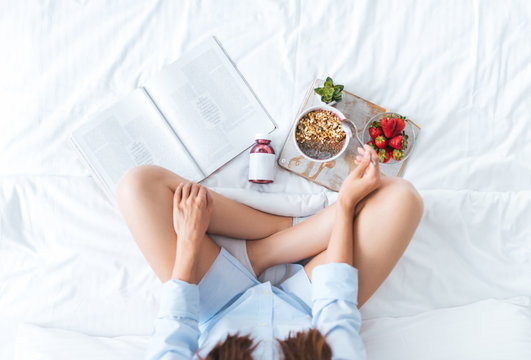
[[191, 118]]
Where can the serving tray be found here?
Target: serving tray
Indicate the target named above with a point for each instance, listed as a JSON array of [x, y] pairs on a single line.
[[331, 174]]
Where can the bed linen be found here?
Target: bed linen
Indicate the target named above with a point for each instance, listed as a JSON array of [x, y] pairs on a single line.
[[460, 69], [486, 330]]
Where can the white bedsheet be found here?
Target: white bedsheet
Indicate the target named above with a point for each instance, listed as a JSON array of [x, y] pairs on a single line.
[[461, 69]]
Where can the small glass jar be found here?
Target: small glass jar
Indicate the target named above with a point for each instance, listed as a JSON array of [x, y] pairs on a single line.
[[262, 161]]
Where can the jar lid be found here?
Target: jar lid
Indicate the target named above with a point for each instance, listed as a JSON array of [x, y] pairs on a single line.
[[262, 136]]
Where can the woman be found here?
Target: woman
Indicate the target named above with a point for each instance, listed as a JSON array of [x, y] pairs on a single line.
[[209, 293]]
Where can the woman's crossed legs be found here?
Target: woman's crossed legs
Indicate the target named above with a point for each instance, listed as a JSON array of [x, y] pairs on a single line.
[[385, 222]]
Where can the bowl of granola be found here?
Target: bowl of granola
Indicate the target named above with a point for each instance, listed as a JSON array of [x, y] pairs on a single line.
[[322, 133]]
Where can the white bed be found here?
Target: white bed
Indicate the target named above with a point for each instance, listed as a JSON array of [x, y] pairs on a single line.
[[461, 69]]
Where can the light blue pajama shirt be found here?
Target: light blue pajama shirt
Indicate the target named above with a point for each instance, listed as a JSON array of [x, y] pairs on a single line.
[[265, 312]]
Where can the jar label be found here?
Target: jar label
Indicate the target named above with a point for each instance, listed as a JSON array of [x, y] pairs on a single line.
[[261, 166]]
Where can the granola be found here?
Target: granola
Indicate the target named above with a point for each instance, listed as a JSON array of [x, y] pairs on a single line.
[[319, 134]]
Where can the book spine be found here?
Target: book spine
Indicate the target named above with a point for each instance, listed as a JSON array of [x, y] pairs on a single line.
[[170, 128]]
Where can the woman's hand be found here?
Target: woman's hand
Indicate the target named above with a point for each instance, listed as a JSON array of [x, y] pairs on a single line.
[[363, 180], [192, 209]]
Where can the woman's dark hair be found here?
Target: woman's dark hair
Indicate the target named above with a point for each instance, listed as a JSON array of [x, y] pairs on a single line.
[[235, 347], [304, 345]]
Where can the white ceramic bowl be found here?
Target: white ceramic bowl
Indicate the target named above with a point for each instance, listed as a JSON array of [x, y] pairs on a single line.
[[348, 127]]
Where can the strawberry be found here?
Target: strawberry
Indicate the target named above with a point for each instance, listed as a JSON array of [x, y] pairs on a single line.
[[375, 129], [397, 154], [373, 145], [399, 142], [400, 125], [388, 126], [384, 155], [380, 141]]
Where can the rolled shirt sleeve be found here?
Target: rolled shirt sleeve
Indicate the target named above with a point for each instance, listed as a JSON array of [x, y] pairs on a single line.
[[176, 331], [334, 309]]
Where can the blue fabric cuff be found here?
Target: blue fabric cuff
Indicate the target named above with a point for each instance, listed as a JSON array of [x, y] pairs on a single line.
[[179, 299], [335, 281]]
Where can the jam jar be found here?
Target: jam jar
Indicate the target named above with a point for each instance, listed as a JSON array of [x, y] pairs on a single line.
[[262, 161]]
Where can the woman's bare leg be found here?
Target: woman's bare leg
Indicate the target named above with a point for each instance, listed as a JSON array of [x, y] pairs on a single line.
[[145, 194], [382, 231], [145, 197], [384, 224]]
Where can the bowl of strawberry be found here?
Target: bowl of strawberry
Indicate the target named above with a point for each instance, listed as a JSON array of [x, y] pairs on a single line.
[[391, 135]]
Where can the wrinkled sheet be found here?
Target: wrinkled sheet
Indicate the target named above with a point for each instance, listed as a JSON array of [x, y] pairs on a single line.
[[461, 69]]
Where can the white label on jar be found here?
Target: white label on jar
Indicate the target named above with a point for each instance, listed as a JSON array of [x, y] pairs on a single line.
[[261, 166]]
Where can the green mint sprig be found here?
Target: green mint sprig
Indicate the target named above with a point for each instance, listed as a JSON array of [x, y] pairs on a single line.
[[330, 92]]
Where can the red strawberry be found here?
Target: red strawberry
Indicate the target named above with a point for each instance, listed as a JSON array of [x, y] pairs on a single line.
[[400, 125], [375, 129], [380, 141], [399, 142], [388, 126], [373, 145], [397, 154], [384, 155]]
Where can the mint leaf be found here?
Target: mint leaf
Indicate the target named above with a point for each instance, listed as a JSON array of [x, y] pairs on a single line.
[[329, 91], [319, 91]]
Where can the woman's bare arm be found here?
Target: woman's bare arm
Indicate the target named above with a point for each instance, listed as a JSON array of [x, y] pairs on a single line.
[[361, 182], [192, 210], [340, 247]]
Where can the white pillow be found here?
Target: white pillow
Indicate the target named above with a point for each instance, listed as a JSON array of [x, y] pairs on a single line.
[[36, 343], [488, 329], [485, 330]]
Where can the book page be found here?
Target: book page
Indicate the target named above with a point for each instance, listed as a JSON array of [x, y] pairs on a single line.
[[209, 105], [132, 133]]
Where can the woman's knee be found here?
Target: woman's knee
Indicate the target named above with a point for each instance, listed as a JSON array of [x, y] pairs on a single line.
[[403, 194], [143, 178]]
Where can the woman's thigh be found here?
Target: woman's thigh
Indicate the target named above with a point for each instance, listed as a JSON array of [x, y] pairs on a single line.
[[145, 197], [383, 225]]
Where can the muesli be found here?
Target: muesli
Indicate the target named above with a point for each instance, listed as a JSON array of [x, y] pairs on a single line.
[[320, 135]]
